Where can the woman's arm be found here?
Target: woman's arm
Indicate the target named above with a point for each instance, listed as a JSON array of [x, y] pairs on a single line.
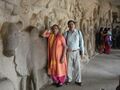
[[64, 50], [45, 33]]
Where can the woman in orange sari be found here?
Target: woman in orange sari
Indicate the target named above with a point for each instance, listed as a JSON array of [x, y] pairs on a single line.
[[57, 63]]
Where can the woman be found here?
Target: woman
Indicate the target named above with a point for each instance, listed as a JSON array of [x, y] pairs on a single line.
[[107, 39], [57, 63], [101, 41]]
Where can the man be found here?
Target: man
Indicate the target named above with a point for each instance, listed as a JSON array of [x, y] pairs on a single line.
[[75, 45]]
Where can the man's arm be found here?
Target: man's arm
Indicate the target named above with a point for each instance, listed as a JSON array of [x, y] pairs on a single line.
[[65, 34], [81, 43]]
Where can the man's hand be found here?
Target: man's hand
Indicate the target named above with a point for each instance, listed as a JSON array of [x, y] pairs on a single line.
[[82, 56]]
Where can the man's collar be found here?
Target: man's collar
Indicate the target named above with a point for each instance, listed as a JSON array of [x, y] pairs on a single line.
[[73, 30]]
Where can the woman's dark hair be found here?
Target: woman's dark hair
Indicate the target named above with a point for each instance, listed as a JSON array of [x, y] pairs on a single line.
[[105, 30], [71, 21], [101, 29], [55, 25], [108, 29]]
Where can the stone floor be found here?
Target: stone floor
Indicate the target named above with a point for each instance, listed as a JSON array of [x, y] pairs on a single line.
[[101, 72]]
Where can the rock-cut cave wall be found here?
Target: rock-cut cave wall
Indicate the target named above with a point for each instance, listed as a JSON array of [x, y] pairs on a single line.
[[30, 57]]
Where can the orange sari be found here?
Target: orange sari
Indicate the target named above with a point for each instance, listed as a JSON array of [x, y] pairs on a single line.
[[56, 69]]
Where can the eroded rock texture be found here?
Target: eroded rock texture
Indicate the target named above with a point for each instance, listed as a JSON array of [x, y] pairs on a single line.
[[27, 61]]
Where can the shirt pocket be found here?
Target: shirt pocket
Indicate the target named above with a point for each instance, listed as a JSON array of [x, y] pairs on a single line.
[[76, 37]]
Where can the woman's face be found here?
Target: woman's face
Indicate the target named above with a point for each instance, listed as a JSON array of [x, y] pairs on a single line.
[[55, 30]]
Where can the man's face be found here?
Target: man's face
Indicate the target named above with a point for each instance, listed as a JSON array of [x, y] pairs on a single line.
[[71, 26]]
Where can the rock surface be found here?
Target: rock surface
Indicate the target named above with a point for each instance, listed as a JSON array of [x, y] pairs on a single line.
[[44, 13]]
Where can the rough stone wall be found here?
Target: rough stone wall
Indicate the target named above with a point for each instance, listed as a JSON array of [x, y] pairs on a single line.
[[44, 13], [116, 10]]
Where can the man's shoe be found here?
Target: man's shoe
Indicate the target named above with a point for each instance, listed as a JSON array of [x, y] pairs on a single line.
[[67, 83], [78, 83]]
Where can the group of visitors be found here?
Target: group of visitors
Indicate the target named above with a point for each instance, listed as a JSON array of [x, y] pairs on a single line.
[[64, 54], [104, 40]]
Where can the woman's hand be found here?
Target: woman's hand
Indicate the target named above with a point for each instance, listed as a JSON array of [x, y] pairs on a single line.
[[62, 59], [45, 33]]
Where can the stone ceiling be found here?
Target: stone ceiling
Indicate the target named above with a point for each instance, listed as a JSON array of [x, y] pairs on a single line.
[[115, 2]]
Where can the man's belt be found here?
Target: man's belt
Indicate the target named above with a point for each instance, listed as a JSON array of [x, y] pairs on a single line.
[[69, 50]]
